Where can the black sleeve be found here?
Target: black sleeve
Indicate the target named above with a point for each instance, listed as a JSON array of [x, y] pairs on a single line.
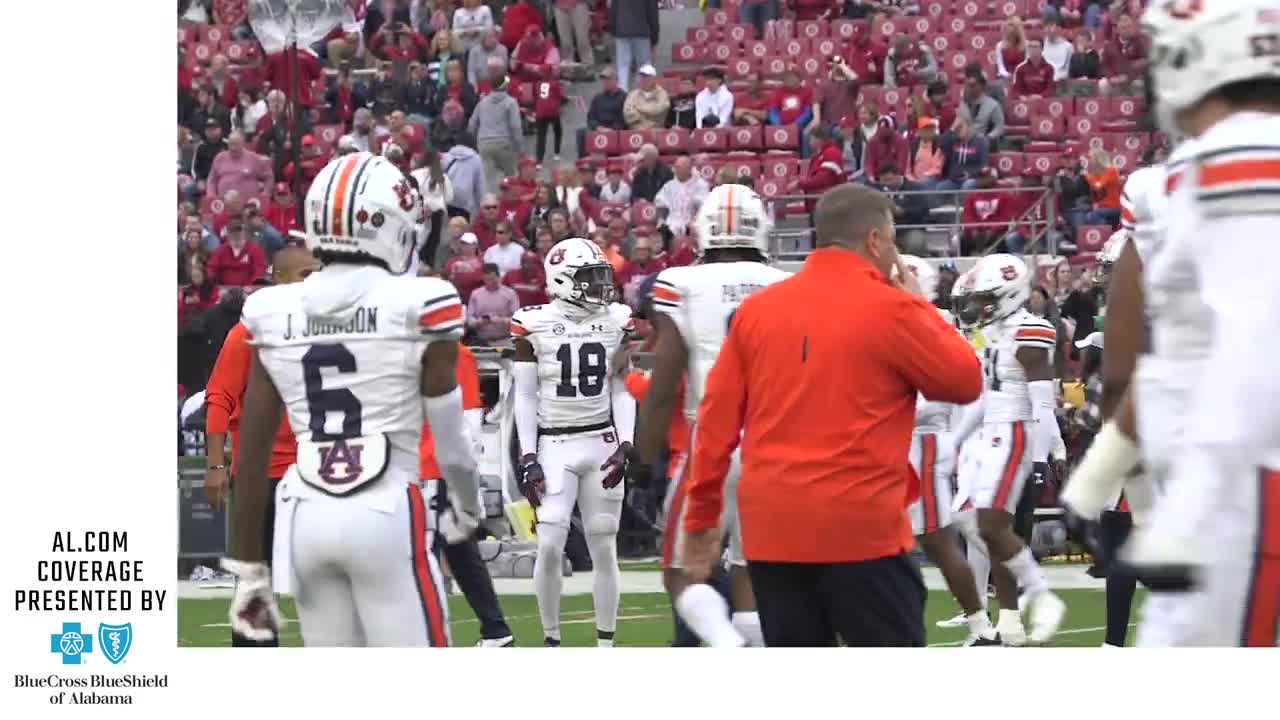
[[652, 12]]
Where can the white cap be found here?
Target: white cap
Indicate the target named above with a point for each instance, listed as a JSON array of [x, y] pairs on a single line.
[[469, 239], [1094, 340], [647, 70]]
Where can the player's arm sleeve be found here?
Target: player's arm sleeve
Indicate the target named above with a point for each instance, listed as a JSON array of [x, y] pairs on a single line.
[[228, 379], [718, 430], [934, 358], [441, 315], [967, 419], [524, 378], [1040, 336]]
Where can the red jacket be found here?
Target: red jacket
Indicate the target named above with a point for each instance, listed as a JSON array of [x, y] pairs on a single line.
[[989, 206], [547, 97], [887, 147], [392, 51], [867, 61], [466, 274], [534, 63], [826, 170], [1033, 79], [516, 21], [906, 65], [282, 217], [343, 109], [525, 189], [226, 267], [276, 71], [813, 9], [229, 92], [516, 213], [1120, 57], [311, 166], [531, 290], [484, 232], [680, 255], [190, 298]]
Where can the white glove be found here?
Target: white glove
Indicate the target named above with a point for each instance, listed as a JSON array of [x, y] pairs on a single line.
[[254, 613], [457, 525], [1100, 475]]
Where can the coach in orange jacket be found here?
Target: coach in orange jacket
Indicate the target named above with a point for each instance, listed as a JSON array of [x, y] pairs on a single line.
[[824, 401]]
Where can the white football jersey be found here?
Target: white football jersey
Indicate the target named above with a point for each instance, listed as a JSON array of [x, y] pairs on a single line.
[[1143, 205], [933, 416], [1180, 321], [1006, 398], [701, 300], [575, 361]]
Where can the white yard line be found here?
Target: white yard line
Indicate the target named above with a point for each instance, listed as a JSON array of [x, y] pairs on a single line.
[[1072, 631]]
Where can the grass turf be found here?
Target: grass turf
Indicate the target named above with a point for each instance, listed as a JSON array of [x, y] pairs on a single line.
[[644, 620]]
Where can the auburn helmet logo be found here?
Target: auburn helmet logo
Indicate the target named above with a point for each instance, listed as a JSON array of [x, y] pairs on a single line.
[[556, 257], [1008, 272], [405, 193]]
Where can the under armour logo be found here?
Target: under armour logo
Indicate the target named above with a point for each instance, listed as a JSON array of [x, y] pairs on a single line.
[[340, 453], [597, 328]]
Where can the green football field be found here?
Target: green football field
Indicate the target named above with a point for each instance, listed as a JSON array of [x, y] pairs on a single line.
[[644, 620]]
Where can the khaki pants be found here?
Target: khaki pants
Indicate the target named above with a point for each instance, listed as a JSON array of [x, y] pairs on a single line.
[[575, 26], [499, 161]]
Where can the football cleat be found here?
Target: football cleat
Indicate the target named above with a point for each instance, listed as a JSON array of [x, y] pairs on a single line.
[[979, 641], [1047, 612], [505, 641], [1160, 562], [956, 622]]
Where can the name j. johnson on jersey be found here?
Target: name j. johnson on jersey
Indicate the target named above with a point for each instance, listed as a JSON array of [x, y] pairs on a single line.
[[738, 292], [364, 321]]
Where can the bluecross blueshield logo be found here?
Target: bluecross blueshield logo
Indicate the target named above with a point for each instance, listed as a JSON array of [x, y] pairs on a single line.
[[114, 641], [71, 643]]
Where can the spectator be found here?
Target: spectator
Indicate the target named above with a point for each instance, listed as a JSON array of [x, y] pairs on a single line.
[[909, 208], [384, 91], [278, 71], [516, 21], [615, 189], [1063, 12], [471, 23], [886, 147], [362, 135], [937, 106], [465, 172], [989, 206], [792, 104], [529, 281], [634, 26], [646, 107], [559, 227], [544, 201], [1034, 77], [548, 96], [465, 269], [758, 13], [398, 42], [967, 157], [866, 56], [282, 212], [927, 157], [980, 111], [535, 59], [1123, 59], [1057, 51], [313, 161], [455, 88], [604, 241], [544, 242], [239, 169], [1072, 189], [418, 95], [837, 94], [714, 103], [206, 152], [443, 49], [437, 195], [431, 16], [250, 108], [1104, 190], [569, 192], [864, 130], [684, 105], [484, 54], [344, 96], [260, 233], [495, 124], [222, 83], [232, 208], [1086, 65], [824, 172], [909, 63], [650, 175], [191, 251], [679, 199], [641, 265], [199, 293], [491, 306], [1012, 48], [752, 107], [344, 41], [486, 222], [607, 110], [513, 208], [573, 25], [1077, 304], [190, 220], [208, 109], [816, 9], [525, 183], [237, 261]]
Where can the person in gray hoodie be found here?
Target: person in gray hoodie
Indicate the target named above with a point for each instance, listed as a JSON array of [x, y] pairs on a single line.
[[466, 174], [495, 124], [634, 26]]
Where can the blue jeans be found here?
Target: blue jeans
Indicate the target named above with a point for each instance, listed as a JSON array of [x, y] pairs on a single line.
[[758, 14], [627, 50], [1103, 216]]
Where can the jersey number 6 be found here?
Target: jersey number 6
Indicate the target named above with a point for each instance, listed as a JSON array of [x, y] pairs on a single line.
[[321, 402], [591, 370]]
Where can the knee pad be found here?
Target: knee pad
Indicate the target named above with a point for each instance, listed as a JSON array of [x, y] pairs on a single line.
[[552, 538], [601, 525]]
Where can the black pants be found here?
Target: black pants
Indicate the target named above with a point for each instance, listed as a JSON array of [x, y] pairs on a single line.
[[870, 603], [469, 569], [427, 255], [558, 136], [268, 541]]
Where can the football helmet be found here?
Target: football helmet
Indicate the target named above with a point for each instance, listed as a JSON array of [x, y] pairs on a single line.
[[1198, 47], [1108, 256], [925, 274], [733, 216], [578, 272], [1001, 287], [960, 291], [360, 205]]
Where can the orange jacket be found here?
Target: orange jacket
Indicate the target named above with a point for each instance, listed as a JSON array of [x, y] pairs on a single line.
[[826, 398], [678, 434], [223, 396], [469, 380]]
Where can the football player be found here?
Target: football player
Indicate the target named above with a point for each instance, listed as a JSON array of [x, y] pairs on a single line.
[[933, 458], [1212, 546], [358, 353], [575, 422], [1018, 425], [693, 308]]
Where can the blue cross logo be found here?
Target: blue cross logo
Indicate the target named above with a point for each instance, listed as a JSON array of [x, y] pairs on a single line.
[[71, 643]]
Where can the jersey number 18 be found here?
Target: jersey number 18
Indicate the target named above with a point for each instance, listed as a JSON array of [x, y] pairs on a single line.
[[591, 370]]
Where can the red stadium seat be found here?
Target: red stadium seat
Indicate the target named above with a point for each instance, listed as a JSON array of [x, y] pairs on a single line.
[[870, 93], [970, 9], [203, 52], [1091, 107], [1119, 126], [957, 26], [711, 140], [673, 141], [1135, 142], [845, 29], [811, 29], [892, 98], [1126, 107], [793, 47], [741, 67], [1125, 161], [242, 52], [1083, 126], [812, 65], [1009, 163], [721, 53], [746, 137], [980, 42], [210, 205], [940, 42], [779, 167], [885, 29], [699, 35], [1091, 238], [706, 170], [921, 27], [185, 35], [1042, 146], [771, 187], [630, 141], [1020, 112], [330, 134], [718, 18], [643, 212], [739, 34], [216, 34], [1047, 127], [959, 60], [690, 53], [1010, 8], [1054, 106], [1097, 142], [827, 47], [1042, 163], [1083, 259], [757, 49], [782, 137], [775, 65], [935, 9], [747, 166]]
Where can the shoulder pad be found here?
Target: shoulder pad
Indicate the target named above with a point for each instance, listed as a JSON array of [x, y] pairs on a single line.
[[257, 306], [1239, 180], [528, 320], [666, 289], [435, 308]]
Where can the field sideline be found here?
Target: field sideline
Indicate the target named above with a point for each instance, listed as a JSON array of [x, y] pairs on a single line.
[[644, 615]]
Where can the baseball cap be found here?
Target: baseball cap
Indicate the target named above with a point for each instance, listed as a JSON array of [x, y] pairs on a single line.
[[608, 72], [469, 239], [648, 70], [212, 122], [1093, 340], [308, 140]]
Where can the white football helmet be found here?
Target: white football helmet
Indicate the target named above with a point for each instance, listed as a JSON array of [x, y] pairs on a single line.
[[733, 216], [578, 272], [1198, 47], [960, 291], [925, 274], [360, 205], [1001, 287], [1108, 256]]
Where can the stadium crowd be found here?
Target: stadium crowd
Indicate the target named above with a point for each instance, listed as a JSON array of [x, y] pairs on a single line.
[[470, 99]]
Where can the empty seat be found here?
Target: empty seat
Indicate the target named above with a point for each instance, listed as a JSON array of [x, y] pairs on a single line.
[[1091, 238], [1009, 163], [749, 137], [711, 139], [672, 141]]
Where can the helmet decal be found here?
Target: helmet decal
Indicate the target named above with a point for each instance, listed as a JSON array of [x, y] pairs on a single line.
[[556, 257]]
